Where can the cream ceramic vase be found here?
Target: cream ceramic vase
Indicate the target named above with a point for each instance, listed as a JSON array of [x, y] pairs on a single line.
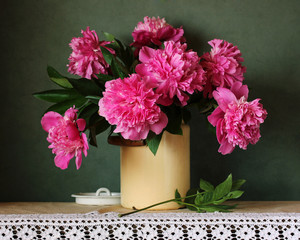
[[147, 179]]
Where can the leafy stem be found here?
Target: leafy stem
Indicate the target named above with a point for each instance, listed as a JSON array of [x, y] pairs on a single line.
[[206, 199]]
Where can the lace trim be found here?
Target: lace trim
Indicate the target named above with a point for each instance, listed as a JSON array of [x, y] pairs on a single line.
[[152, 226]]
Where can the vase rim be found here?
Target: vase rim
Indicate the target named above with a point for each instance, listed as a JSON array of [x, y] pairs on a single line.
[[119, 141]]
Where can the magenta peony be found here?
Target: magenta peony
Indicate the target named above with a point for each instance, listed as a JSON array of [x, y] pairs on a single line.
[[155, 31], [173, 71], [237, 121], [87, 60], [130, 105], [222, 65], [66, 137]]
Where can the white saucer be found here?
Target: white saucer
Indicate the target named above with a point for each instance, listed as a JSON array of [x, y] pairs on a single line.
[[102, 197]]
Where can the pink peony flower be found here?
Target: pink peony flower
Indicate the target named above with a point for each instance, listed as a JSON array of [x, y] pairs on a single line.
[[66, 137], [237, 121], [131, 105], [155, 31], [173, 71], [87, 60], [222, 65]]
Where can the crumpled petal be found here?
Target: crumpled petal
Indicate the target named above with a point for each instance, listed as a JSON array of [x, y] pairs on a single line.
[[65, 137], [87, 59], [173, 71], [223, 66], [131, 105], [237, 121]]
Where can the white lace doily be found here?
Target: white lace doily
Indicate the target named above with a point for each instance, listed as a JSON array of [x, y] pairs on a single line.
[[160, 226]]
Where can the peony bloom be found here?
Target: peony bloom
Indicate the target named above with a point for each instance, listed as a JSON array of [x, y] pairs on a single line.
[[173, 71], [237, 120], [131, 105], [155, 31], [87, 60], [66, 137], [222, 65]]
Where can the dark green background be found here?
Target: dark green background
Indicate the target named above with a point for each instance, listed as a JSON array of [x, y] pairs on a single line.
[[37, 33]]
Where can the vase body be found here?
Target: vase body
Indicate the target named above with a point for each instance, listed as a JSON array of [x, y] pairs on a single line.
[[147, 179]]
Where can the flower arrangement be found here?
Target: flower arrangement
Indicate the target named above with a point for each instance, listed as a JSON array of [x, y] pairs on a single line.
[[140, 90]]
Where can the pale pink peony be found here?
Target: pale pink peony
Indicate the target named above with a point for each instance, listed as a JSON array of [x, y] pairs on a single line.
[[222, 65], [66, 137], [87, 60], [237, 121], [131, 105], [173, 71], [155, 31]]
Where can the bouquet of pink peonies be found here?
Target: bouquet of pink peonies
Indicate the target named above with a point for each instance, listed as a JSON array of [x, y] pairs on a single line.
[[140, 90]]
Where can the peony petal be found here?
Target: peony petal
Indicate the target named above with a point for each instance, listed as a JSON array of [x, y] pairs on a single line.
[[142, 70], [240, 90], [225, 147], [72, 131], [78, 159], [85, 144], [224, 97], [216, 115], [71, 113], [62, 161], [81, 124], [146, 53], [50, 119], [160, 125]]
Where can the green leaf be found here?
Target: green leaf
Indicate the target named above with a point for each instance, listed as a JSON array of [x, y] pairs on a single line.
[[109, 37], [117, 69], [104, 77], [86, 87], [208, 197], [154, 142], [190, 192], [237, 184], [107, 55], [217, 202], [223, 188], [186, 115], [97, 125], [199, 199], [209, 208], [57, 78], [215, 208], [87, 112], [57, 95], [175, 119], [177, 194], [61, 107], [93, 99], [206, 186], [235, 194]]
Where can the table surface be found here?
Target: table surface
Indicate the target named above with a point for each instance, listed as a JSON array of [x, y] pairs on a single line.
[[70, 207]]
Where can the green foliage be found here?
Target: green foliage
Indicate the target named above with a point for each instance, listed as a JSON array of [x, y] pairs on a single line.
[[174, 115], [208, 200], [57, 78], [211, 198], [117, 69], [153, 143], [86, 87], [61, 107], [57, 95], [107, 55]]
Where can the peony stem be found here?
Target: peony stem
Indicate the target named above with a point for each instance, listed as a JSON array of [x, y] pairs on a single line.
[[154, 205]]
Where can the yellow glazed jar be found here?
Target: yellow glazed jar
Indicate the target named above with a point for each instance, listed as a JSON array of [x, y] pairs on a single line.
[[147, 179]]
